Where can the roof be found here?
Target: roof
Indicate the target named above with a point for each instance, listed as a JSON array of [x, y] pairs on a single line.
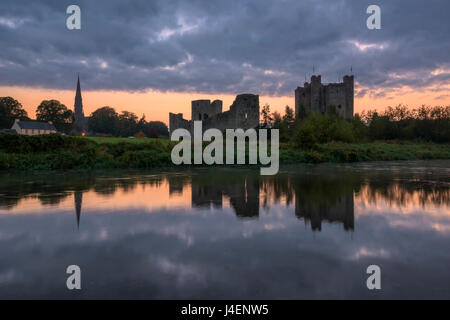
[[36, 125]]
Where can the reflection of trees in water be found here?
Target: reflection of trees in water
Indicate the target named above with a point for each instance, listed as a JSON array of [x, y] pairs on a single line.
[[177, 182], [52, 199], [406, 191], [317, 193], [273, 190], [49, 189], [109, 186]]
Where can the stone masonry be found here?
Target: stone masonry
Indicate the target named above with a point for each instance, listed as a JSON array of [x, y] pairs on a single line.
[[243, 113], [318, 97]]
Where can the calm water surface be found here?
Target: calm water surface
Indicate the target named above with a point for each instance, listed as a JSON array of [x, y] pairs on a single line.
[[309, 232]]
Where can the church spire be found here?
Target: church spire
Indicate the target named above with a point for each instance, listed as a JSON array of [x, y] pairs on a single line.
[[78, 101], [80, 120], [78, 85]]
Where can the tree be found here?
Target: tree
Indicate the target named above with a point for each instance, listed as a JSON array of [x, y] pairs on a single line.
[[285, 124], [103, 120], [158, 126], [142, 123], [289, 116], [10, 109], [152, 129], [127, 124], [276, 117], [267, 118], [302, 112], [57, 113], [152, 133], [359, 128]]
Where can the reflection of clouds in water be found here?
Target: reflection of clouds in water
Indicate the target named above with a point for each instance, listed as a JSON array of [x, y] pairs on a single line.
[[103, 234], [181, 232], [274, 226], [236, 258], [182, 272], [441, 228], [204, 251], [428, 218], [367, 252], [7, 276]]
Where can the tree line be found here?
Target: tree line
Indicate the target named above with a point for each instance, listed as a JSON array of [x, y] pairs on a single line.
[[425, 123], [103, 121], [106, 120]]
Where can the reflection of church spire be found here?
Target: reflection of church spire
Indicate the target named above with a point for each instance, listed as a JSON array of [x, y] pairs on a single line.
[[78, 199]]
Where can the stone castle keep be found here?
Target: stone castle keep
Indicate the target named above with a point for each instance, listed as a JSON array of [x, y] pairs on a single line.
[[243, 113], [318, 97]]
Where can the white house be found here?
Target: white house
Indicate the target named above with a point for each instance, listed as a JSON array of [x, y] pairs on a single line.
[[32, 128]]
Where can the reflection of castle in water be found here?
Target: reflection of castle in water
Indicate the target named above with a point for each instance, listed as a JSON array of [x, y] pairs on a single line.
[[244, 197], [342, 210], [318, 194], [243, 194]]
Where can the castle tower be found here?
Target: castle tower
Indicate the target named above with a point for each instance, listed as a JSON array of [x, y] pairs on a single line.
[[316, 97], [349, 96], [204, 109], [316, 94], [80, 125]]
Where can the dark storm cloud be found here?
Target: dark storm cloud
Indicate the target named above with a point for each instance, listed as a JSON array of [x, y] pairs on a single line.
[[261, 46]]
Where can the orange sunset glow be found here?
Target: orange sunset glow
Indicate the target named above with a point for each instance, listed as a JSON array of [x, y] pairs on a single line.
[[156, 105]]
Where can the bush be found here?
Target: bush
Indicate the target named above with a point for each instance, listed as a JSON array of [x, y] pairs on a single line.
[[139, 134], [5, 161], [305, 137], [143, 159], [322, 128], [17, 143]]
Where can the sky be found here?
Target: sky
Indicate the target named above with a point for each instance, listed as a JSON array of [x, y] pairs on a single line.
[[153, 57]]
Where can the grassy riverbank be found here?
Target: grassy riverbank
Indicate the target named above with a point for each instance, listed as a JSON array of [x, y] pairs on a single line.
[[114, 140], [52, 152], [373, 151]]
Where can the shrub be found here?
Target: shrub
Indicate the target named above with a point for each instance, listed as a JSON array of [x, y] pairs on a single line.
[[322, 128], [139, 134], [17, 143]]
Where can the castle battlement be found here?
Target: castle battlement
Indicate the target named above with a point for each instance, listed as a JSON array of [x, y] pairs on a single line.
[[243, 113], [319, 97]]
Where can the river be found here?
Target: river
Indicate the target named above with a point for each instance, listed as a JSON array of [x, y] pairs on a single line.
[[309, 232]]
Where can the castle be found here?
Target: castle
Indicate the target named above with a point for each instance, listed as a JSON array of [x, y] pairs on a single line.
[[243, 113], [318, 97]]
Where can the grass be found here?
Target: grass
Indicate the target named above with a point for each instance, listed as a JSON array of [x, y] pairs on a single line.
[[374, 151], [52, 152], [114, 140]]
